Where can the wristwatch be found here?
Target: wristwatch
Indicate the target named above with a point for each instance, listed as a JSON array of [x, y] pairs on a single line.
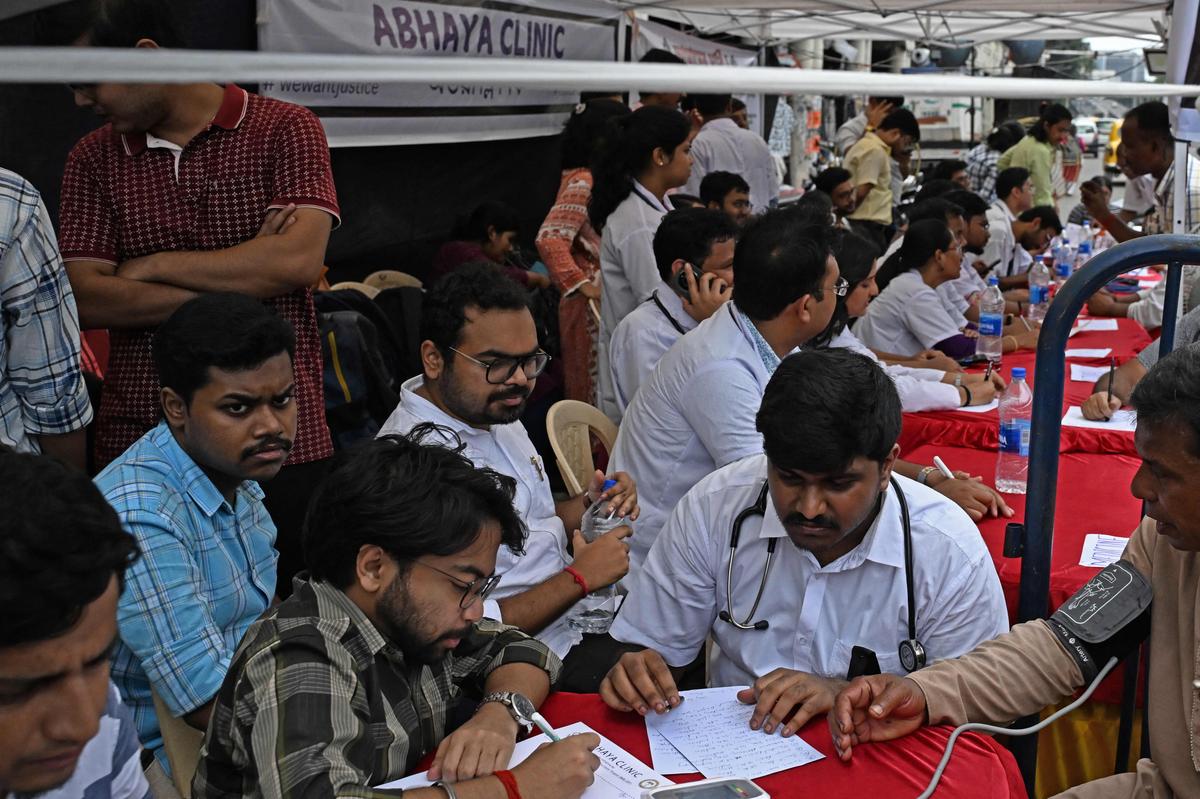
[[517, 705]]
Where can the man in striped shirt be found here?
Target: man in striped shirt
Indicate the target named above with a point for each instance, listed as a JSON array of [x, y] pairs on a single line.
[[368, 665], [64, 733]]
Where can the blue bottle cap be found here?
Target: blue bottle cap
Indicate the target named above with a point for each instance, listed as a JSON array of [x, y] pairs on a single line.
[[1018, 373], [608, 484], [993, 281]]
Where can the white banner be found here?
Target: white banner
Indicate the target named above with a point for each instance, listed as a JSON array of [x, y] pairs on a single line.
[[373, 113], [694, 50]]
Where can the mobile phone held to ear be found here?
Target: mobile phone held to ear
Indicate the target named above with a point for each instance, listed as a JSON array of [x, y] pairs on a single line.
[[681, 284]]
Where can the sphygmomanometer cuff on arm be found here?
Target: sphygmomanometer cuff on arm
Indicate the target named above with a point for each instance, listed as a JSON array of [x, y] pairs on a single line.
[[1108, 617]]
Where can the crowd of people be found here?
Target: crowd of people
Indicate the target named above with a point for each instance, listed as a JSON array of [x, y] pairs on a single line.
[[193, 551]]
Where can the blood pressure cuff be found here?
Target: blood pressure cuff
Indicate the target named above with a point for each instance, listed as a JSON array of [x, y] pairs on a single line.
[[1106, 618]]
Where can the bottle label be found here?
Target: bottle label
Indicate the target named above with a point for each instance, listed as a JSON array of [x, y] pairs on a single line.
[[991, 324], [1063, 268], [1038, 294], [1014, 437]]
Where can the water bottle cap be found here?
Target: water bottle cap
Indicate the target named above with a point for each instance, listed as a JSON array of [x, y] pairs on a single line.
[[993, 281], [608, 484], [1018, 373], [1085, 246]]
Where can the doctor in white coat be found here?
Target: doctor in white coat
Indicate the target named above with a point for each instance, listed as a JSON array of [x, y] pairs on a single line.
[[840, 595]]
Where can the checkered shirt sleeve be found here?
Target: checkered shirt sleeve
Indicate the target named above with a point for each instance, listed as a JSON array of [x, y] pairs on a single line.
[[303, 174], [41, 383]]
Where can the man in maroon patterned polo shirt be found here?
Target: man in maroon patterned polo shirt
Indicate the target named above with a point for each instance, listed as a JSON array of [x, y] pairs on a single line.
[[189, 189]]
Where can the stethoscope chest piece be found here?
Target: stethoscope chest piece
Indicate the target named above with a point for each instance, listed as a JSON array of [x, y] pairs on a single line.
[[912, 655]]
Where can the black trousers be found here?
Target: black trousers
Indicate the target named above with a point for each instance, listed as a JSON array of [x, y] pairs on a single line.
[[287, 498]]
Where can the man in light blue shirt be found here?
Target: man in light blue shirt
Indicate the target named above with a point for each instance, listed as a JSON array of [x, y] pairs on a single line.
[[697, 241], [696, 411], [188, 493]]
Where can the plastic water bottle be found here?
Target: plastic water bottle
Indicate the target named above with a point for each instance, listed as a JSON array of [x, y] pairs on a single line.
[[1039, 290], [991, 322], [594, 613], [1064, 264], [1016, 411], [1084, 254]]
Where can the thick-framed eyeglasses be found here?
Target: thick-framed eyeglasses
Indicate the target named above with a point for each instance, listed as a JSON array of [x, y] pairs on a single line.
[[841, 286], [499, 370], [478, 589]]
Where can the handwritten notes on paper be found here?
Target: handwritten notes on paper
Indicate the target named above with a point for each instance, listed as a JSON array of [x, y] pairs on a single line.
[[1087, 374], [1101, 550], [665, 757], [1101, 352], [1122, 421], [620, 776], [712, 730]]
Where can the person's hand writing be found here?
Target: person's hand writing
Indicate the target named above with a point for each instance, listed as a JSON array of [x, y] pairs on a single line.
[[704, 296], [480, 746], [562, 770], [877, 113], [1099, 408], [640, 681], [980, 393], [621, 498], [277, 220], [971, 494], [783, 693], [881, 707]]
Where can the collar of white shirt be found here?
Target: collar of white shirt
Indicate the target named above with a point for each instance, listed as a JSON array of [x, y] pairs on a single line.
[[424, 409], [1003, 207], [648, 197], [885, 548]]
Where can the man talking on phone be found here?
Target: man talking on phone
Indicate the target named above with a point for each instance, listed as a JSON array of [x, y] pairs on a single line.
[[694, 252]]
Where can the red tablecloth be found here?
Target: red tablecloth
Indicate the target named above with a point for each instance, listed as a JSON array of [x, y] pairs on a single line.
[[980, 768], [1093, 497], [981, 430]]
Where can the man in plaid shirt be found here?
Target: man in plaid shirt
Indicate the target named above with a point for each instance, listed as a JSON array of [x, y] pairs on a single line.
[[382, 645], [43, 401], [188, 492]]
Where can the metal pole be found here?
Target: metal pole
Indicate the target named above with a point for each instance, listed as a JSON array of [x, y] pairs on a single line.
[[1048, 390]]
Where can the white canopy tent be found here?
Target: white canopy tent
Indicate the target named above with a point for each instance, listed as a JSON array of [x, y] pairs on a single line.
[[952, 23]]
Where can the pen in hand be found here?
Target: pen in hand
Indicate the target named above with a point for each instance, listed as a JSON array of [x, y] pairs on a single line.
[[942, 467], [1112, 370]]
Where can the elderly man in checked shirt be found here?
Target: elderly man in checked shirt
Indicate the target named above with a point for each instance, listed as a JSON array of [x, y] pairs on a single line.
[[363, 670]]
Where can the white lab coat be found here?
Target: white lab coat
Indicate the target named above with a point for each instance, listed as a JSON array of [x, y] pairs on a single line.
[[816, 614], [906, 318], [919, 389], [693, 415], [628, 271], [506, 448], [637, 345]]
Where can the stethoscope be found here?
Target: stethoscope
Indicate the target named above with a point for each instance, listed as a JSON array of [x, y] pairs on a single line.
[[912, 653]]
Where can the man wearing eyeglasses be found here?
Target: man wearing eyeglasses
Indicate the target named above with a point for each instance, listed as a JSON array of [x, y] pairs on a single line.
[[371, 663], [481, 361]]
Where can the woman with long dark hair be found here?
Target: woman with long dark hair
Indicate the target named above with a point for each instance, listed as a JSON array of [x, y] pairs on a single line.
[[1036, 151], [919, 389], [570, 246], [909, 316], [645, 155]]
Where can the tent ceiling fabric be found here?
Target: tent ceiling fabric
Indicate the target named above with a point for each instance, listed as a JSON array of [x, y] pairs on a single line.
[[944, 22]]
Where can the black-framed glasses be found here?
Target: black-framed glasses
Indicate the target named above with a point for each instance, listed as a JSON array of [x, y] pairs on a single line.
[[841, 286], [497, 371], [478, 589]]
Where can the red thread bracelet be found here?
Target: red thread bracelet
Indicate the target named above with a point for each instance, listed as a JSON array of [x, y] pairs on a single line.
[[575, 575], [510, 784]]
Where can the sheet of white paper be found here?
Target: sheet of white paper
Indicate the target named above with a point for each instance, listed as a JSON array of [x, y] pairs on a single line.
[[1100, 325], [712, 730], [1122, 421], [666, 758], [620, 776], [1100, 550], [991, 406], [1087, 374], [1086, 353]]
